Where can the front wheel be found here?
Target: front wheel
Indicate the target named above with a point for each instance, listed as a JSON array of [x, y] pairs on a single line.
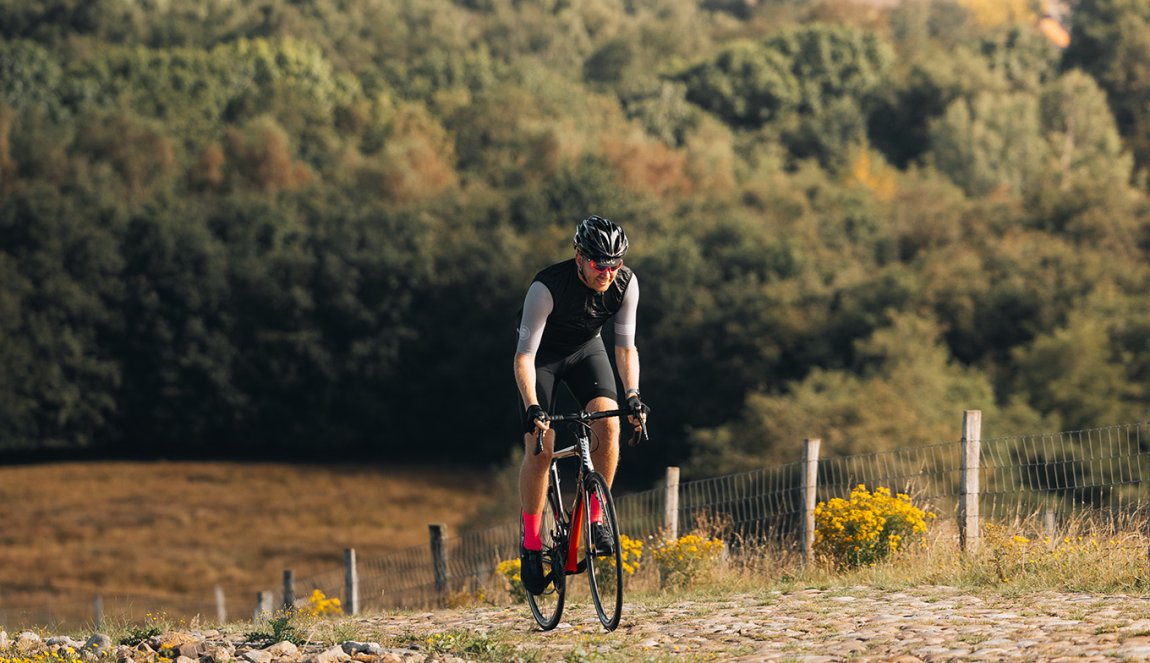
[[605, 567]]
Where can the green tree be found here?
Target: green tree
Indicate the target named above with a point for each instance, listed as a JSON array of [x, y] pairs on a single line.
[[747, 85], [63, 260], [1110, 40], [992, 143], [1084, 140], [918, 92], [1074, 376], [865, 410]]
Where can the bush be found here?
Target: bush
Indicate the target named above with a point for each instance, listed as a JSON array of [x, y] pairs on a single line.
[[685, 559], [319, 605], [867, 527], [510, 571]]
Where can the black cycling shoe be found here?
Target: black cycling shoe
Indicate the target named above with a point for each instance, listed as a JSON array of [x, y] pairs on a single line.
[[531, 571], [601, 536]]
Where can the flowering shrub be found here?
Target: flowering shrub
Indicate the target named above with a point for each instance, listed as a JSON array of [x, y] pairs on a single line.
[[511, 572], [631, 551], [319, 605], [683, 559], [867, 527]]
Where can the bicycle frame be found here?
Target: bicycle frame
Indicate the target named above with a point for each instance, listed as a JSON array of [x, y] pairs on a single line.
[[582, 448]]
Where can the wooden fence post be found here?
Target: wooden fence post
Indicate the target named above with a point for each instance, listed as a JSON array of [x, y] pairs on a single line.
[[439, 557], [263, 607], [350, 582], [969, 526], [810, 495], [221, 605], [671, 504], [289, 590]]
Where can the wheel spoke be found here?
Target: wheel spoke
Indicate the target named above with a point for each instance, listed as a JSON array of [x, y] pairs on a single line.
[[605, 570], [547, 607]]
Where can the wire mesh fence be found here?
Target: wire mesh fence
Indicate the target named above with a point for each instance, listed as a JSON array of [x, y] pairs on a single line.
[[1096, 473]]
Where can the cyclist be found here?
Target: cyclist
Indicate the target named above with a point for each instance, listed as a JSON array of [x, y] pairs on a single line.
[[566, 306]]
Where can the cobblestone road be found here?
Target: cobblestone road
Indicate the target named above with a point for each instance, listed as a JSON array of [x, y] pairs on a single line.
[[923, 624]]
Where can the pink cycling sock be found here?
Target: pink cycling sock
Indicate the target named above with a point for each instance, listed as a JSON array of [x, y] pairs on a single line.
[[596, 509], [531, 540]]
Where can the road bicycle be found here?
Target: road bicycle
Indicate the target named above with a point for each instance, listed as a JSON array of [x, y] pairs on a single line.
[[568, 544]]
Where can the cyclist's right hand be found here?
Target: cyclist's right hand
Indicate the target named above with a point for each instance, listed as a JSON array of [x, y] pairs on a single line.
[[536, 415]]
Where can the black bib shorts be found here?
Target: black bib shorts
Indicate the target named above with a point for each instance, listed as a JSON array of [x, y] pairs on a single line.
[[586, 372]]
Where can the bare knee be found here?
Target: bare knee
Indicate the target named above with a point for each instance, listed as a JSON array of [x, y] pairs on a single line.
[[608, 427], [538, 461]]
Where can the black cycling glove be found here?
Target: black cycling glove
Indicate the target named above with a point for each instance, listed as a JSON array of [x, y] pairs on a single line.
[[635, 405], [536, 413]]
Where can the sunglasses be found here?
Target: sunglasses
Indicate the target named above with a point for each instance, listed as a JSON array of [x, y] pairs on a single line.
[[605, 264]]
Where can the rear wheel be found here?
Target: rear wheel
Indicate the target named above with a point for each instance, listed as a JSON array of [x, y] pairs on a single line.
[[548, 606], [605, 567]]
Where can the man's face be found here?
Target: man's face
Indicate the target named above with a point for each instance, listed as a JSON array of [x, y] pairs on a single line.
[[595, 274]]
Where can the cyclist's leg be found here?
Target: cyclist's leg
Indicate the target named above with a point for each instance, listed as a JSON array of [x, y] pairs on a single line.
[[533, 489], [533, 470], [593, 383], [606, 431]]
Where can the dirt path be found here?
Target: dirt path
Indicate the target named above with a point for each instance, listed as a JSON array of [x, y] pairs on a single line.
[[924, 623]]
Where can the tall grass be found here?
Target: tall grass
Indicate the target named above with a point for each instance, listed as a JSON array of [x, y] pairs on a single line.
[[1085, 554]]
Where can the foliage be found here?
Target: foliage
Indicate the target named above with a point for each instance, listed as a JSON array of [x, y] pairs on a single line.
[[1078, 557], [867, 527], [1108, 41], [469, 643], [238, 227], [319, 605], [632, 554], [134, 634], [687, 559], [283, 626], [510, 572]]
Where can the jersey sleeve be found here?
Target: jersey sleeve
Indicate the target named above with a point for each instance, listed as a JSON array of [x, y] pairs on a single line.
[[625, 317], [537, 305]]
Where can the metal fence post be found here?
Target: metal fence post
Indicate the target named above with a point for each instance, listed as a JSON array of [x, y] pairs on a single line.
[[351, 582], [969, 529], [439, 557], [98, 609], [671, 504], [810, 495]]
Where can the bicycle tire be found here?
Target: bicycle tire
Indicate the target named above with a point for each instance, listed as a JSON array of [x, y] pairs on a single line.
[[547, 608], [604, 569]]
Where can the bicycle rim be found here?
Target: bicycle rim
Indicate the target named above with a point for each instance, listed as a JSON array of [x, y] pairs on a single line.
[[547, 608], [605, 569]]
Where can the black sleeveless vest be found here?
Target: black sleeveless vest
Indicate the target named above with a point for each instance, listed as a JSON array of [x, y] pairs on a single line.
[[579, 311]]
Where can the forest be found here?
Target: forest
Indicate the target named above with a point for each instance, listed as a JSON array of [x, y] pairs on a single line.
[[304, 228]]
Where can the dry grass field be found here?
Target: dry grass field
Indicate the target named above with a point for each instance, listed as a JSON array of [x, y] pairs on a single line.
[[176, 528]]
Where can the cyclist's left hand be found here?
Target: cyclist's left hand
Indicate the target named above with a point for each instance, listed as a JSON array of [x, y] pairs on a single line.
[[638, 410]]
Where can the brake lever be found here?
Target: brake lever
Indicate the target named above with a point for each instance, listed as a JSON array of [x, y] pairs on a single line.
[[538, 441], [641, 433]]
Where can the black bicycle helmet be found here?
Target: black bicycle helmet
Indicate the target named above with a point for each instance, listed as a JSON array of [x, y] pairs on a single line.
[[601, 240]]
